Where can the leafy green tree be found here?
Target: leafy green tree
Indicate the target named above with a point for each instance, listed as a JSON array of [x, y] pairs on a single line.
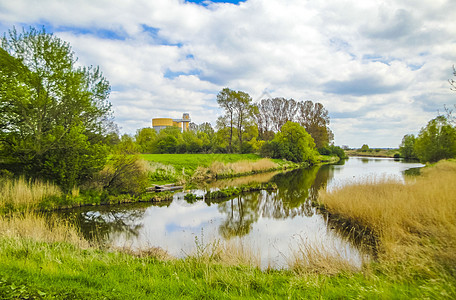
[[53, 114], [436, 141], [406, 148], [364, 148], [295, 144], [145, 138]]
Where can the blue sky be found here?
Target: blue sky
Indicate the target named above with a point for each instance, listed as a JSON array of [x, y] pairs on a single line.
[[379, 67]]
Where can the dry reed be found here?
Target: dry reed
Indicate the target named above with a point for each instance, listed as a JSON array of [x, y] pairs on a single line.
[[30, 225], [221, 169], [319, 259], [233, 252], [26, 193], [415, 220]]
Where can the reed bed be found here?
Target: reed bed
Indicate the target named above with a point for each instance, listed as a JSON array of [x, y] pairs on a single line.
[[414, 221], [220, 169], [29, 225], [320, 259], [23, 193]]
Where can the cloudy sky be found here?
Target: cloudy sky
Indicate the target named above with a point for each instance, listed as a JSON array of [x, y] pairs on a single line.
[[379, 67]]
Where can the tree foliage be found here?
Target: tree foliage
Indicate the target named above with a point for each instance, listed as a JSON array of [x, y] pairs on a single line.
[[53, 114], [407, 146], [272, 114], [238, 118], [292, 143], [436, 141]]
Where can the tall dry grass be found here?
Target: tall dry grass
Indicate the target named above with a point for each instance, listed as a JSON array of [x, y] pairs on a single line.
[[326, 259], [415, 220], [23, 193], [220, 169], [30, 225], [233, 252]]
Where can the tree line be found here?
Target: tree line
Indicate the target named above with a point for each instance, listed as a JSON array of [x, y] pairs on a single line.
[[56, 120], [435, 141]]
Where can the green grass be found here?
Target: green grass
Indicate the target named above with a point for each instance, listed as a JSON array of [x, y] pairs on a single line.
[[59, 270], [192, 161]]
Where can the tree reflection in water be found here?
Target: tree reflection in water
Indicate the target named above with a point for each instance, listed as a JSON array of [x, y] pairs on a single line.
[[296, 191], [101, 225]]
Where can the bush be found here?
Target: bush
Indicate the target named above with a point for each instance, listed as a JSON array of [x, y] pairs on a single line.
[[436, 141]]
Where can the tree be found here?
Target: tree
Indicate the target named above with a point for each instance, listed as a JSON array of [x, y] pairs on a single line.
[[145, 138], [294, 143], [244, 113], [226, 100], [406, 148], [315, 119], [54, 115], [364, 148], [436, 141], [239, 115]]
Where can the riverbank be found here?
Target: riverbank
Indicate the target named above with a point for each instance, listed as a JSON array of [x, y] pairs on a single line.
[[411, 225], [387, 153], [49, 259]]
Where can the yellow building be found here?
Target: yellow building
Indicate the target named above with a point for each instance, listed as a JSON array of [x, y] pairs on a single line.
[[160, 123]]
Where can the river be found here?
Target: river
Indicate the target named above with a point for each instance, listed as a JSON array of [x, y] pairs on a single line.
[[272, 224]]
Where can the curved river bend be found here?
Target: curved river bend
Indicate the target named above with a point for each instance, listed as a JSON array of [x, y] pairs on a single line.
[[272, 224]]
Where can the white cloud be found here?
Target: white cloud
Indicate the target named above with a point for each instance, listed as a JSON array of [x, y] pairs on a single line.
[[379, 67]]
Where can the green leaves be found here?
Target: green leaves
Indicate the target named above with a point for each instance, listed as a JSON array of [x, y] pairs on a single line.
[[53, 114], [436, 141]]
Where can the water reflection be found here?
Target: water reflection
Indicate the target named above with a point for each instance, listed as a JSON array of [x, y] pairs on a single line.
[[269, 220]]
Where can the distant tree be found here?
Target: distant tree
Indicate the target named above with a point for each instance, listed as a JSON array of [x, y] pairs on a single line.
[[315, 119], [244, 114], [406, 148], [239, 113], [436, 141], [226, 99], [54, 114], [365, 148], [272, 114], [168, 140], [293, 143], [145, 138]]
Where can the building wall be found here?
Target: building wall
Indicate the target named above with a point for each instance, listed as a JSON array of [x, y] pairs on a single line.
[[160, 123]]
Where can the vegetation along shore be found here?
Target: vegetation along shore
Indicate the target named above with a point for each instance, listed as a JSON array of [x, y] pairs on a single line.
[[60, 148]]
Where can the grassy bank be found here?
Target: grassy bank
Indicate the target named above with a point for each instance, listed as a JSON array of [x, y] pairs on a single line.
[[34, 269], [45, 259], [31, 195], [169, 168], [414, 223], [373, 152]]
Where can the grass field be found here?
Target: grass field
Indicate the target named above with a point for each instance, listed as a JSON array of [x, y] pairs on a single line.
[[190, 162]]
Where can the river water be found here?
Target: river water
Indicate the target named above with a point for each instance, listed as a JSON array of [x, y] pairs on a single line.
[[272, 224]]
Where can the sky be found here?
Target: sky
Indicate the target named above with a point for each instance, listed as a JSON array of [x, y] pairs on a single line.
[[380, 68]]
